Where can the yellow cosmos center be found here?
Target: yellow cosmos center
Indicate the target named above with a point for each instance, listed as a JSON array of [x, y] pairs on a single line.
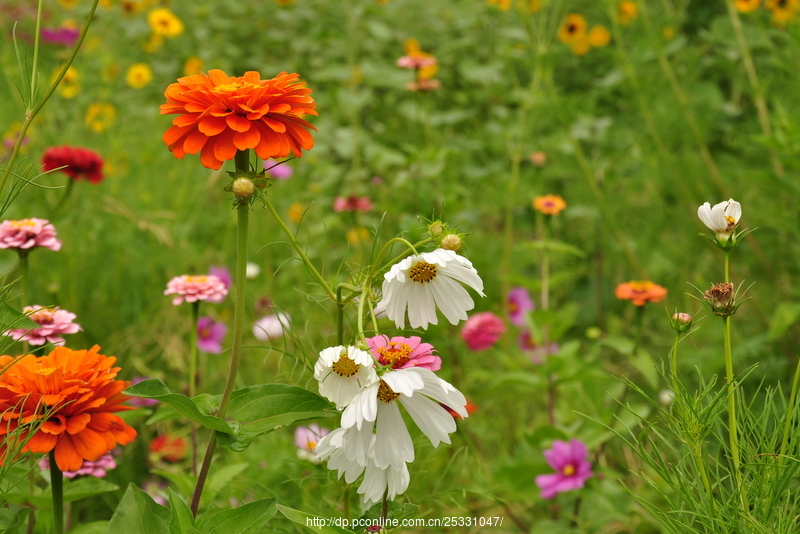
[[569, 470], [731, 221], [386, 394], [422, 272], [345, 367], [394, 354]]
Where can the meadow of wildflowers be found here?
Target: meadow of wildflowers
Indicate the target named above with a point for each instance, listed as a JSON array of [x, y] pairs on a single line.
[[513, 266]]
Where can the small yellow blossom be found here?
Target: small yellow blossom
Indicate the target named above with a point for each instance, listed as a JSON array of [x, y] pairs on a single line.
[[164, 22], [99, 116], [573, 27], [70, 85], [580, 45], [132, 7], [69, 5], [531, 6], [502, 5], [106, 4], [549, 204], [669, 33], [599, 36], [296, 211], [357, 235], [783, 11], [192, 65], [627, 12], [138, 75], [746, 6]]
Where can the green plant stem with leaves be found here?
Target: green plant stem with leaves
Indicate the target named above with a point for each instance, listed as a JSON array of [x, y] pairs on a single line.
[[733, 434], [193, 378], [57, 490]]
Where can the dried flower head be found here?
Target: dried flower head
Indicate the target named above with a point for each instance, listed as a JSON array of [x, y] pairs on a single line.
[[721, 298]]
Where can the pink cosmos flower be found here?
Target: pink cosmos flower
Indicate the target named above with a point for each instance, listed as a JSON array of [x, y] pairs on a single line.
[[210, 335], [352, 203], [278, 170], [519, 304], [193, 288], [28, 233], [482, 330], [571, 465], [306, 439], [535, 352], [97, 468], [223, 273], [271, 326], [64, 35], [403, 352], [53, 322]]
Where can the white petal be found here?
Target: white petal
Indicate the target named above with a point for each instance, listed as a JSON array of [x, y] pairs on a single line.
[[434, 421], [734, 210], [404, 382], [704, 212], [453, 300], [397, 481], [392, 445], [374, 484], [364, 407], [441, 391], [350, 469]]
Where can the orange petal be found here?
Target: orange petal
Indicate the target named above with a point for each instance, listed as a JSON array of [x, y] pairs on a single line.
[[90, 445], [78, 422], [208, 159], [237, 122], [248, 139], [212, 126], [67, 458]]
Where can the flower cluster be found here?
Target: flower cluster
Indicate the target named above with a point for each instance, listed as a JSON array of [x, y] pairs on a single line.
[[574, 31], [370, 386], [53, 323], [75, 162], [26, 234]]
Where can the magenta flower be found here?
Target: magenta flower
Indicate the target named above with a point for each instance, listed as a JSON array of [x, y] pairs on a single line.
[[519, 304], [28, 233], [193, 288], [140, 402], [535, 352], [278, 170], [64, 35], [571, 465], [53, 322], [403, 352], [223, 273], [482, 330], [352, 203], [97, 468], [210, 335]]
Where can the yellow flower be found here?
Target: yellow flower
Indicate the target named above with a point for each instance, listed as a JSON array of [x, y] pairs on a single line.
[[296, 211], [599, 36], [70, 85], [413, 51], [549, 204], [106, 4], [132, 7], [357, 235], [502, 5], [164, 22], [627, 12], [138, 75], [99, 116], [746, 6], [533, 6], [573, 27], [783, 11], [153, 43], [580, 45], [69, 5], [192, 65], [669, 33]]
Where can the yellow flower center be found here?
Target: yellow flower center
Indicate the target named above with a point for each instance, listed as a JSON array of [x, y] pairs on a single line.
[[731, 222], [231, 87], [23, 223], [394, 354], [569, 470], [344, 366], [43, 316], [195, 279], [386, 394], [45, 371], [311, 445], [422, 272]]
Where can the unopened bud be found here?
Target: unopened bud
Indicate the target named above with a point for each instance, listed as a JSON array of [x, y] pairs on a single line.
[[681, 322], [243, 187], [435, 228], [451, 242]]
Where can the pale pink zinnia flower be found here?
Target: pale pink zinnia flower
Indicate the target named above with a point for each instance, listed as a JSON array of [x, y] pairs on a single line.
[[28, 233], [271, 326], [53, 322], [416, 62], [96, 469], [482, 330], [210, 335], [352, 203], [403, 352], [193, 288], [278, 170]]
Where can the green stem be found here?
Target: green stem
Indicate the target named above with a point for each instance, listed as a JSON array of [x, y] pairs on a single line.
[[57, 208], [57, 489], [733, 435], [789, 414], [23, 275], [240, 277], [508, 225], [193, 378], [727, 265], [545, 269], [339, 317], [674, 369]]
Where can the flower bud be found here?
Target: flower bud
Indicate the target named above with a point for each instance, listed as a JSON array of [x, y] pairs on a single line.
[[243, 188], [681, 322], [435, 228], [451, 242]]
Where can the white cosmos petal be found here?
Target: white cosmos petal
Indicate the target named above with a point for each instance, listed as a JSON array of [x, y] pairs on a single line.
[[403, 382], [441, 391], [374, 483], [363, 407], [358, 443], [340, 389], [704, 212], [734, 210], [434, 421], [718, 217], [328, 444], [349, 468], [397, 481], [454, 301], [392, 445]]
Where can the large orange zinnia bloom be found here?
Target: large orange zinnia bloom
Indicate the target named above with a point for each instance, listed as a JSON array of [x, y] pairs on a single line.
[[77, 392], [640, 292], [218, 115]]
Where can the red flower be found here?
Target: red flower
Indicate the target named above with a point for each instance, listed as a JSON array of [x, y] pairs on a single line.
[[168, 448], [77, 162]]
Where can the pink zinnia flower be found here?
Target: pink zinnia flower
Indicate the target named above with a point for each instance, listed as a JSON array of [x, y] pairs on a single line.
[[53, 322], [482, 330], [97, 468], [352, 203], [571, 465], [210, 335], [403, 352], [416, 62], [278, 170], [77, 162], [519, 304], [28, 233], [193, 288]]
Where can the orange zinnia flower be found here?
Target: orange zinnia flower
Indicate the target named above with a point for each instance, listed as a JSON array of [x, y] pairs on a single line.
[[76, 392], [549, 204], [640, 292], [218, 115]]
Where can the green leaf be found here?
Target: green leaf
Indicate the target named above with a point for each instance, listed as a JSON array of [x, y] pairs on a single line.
[[13, 318], [95, 527], [182, 519], [222, 476], [246, 519], [138, 513], [10, 519], [73, 490], [296, 516], [156, 389], [644, 363]]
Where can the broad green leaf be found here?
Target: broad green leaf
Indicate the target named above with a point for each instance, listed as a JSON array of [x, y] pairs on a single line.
[[138, 513], [320, 524], [246, 519], [95, 527], [221, 477], [156, 389], [182, 519], [785, 316], [73, 490], [12, 317]]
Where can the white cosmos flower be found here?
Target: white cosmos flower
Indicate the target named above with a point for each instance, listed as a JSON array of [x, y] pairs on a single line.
[[342, 372], [375, 412], [430, 280], [377, 481], [722, 218]]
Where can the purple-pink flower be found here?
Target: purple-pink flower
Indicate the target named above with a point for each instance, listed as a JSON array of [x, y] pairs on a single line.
[[535, 352], [352, 203], [140, 402], [519, 304], [278, 170], [210, 335], [482, 330], [403, 352], [53, 323], [28, 233], [194, 288], [63, 35], [223, 273], [306, 439], [97, 468], [570, 461]]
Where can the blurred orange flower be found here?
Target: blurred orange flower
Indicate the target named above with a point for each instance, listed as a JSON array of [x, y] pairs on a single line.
[[69, 398], [549, 204], [169, 449], [783, 11], [219, 114], [572, 29], [192, 65], [627, 12], [502, 5], [640, 292], [746, 6], [599, 36]]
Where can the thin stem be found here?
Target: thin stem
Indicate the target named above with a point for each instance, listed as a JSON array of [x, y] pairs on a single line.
[[243, 213], [193, 378], [68, 191], [545, 269], [36, 39], [674, 368], [727, 265], [508, 225], [57, 489], [789, 414], [733, 435], [339, 317]]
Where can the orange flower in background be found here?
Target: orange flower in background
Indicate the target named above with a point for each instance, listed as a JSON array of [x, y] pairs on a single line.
[[164, 22], [627, 12], [572, 29], [640, 292], [219, 114], [502, 5], [783, 11], [746, 6], [549, 204], [192, 65], [169, 449], [69, 398], [599, 36], [424, 63]]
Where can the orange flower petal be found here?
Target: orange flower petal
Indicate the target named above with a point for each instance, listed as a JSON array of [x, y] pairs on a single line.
[[248, 139], [237, 122], [78, 423], [194, 142]]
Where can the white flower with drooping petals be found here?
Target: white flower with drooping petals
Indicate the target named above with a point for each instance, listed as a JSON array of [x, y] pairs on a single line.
[[722, 218], [427, 281], [342, 372]]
